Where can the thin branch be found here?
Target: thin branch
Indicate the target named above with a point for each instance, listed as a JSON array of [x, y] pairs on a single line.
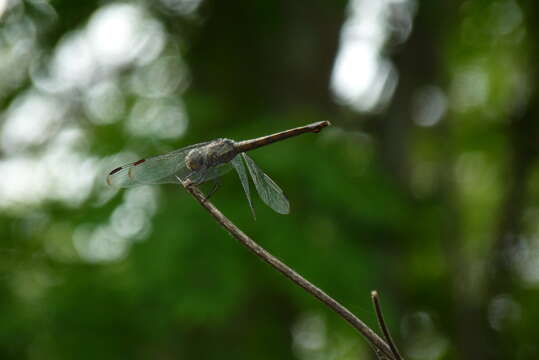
[[383, 327], [374, 340]]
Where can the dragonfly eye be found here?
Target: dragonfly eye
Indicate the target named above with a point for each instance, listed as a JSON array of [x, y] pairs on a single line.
[[194, 160]]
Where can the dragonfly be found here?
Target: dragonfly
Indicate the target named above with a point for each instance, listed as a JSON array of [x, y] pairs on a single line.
[[208, 161]]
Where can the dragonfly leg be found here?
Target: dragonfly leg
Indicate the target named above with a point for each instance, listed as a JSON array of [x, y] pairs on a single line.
[[216, 184], [189, 181], [186, 182]]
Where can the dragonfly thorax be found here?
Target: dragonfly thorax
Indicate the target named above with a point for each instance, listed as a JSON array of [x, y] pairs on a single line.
[[214, 153]]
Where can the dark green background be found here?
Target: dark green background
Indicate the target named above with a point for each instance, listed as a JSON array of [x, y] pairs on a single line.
[[441, 220]]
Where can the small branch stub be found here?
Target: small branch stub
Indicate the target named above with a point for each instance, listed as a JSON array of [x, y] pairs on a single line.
[[383, 326]]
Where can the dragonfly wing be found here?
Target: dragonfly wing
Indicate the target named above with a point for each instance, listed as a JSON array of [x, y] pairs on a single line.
[[242, 173], [212, 173], [268, 190], [159, 169], [118, 177]]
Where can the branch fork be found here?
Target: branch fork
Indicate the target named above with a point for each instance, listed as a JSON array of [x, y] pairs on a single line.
[[381, 348]]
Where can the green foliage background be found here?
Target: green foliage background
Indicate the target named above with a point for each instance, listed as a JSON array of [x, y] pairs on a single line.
[[441, 219]]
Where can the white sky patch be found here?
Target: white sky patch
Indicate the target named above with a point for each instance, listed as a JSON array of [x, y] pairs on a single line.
[[30, 120], [18, 46], [429, 106], [163, 77], [362, 77], [121, 33], [100, 244], [183, 7], [22, 182], [115, 36], [130, 222], [73, 64], [132, 218], [62, 173], [355, 69], [3, 7], [165, 119], [104, 103], [28, 181], [309, 332]]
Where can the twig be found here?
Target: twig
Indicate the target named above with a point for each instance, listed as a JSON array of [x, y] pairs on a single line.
[[383, 327], [378, 344]]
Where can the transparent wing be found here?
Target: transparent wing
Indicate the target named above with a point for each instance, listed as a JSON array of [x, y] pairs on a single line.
[[160, 169], [205, 175], [268, 190], [242, 173]]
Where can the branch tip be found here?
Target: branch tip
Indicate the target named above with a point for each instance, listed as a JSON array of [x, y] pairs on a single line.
[[381, 322]]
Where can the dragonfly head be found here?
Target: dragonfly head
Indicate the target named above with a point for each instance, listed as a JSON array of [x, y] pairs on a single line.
[[194, 159]]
